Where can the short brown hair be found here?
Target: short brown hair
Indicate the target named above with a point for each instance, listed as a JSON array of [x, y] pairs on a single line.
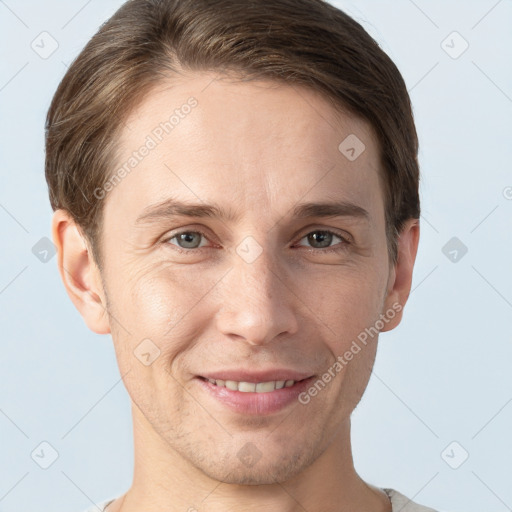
[[305, 42]]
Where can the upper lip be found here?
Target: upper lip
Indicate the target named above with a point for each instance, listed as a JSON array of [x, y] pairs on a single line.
[[257, 376]]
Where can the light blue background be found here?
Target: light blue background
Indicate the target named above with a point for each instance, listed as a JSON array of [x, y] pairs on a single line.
[[443, 375]]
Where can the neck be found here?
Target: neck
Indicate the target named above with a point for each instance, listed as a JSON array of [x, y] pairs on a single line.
[[164, 480]]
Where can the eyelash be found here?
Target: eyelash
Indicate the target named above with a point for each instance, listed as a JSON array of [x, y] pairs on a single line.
[[342, 245]]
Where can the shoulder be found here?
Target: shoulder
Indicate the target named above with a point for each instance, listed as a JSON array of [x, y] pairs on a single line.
[[401, 503], [101, 506]]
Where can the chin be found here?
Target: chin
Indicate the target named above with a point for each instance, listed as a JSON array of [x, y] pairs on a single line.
[[261, 471], [251, 476]]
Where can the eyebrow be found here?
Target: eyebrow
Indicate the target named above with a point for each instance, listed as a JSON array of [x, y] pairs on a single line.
[[173, 208]]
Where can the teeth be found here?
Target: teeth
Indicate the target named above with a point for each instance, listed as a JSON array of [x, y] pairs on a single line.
[[265, 387], [252, 387], [231, 384], [247, 387]]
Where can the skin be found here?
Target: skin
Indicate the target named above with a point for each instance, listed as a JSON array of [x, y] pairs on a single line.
[[257, 148]]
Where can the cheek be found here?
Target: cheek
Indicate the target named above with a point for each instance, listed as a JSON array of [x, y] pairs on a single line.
[[161, 304], [156, 317], [346, 299], [350, 306]]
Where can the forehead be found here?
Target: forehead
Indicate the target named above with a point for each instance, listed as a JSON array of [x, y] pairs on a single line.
[[205, 137]]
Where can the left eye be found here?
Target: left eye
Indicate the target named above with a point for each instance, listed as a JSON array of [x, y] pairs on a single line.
[[322, 237]]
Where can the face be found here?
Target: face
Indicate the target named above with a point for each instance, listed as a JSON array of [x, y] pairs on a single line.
[[249, 285]]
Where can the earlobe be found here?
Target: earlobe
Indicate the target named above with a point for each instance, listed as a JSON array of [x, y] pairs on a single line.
[[399, 285], [79, 272]]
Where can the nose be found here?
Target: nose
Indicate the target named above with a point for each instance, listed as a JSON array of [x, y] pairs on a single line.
[[257, 301]]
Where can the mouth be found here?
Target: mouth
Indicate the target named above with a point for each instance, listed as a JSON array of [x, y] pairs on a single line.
[[255, 395], [253, 387]]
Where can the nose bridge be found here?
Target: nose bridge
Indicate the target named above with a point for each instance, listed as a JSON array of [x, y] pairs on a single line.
[[256, 304], [258, 278]]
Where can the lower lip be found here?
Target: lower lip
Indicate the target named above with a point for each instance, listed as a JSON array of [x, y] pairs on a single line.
[[256, 403]]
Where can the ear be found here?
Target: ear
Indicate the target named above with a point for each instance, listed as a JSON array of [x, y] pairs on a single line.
[[79, 272], [400, 277]]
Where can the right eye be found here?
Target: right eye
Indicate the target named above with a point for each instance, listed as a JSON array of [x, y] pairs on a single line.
[[186, 240]]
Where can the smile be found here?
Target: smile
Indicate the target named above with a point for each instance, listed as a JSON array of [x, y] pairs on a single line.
[[252, 387], [261, 398]]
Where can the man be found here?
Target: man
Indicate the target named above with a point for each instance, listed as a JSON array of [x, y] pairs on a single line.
[[235, 186]]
